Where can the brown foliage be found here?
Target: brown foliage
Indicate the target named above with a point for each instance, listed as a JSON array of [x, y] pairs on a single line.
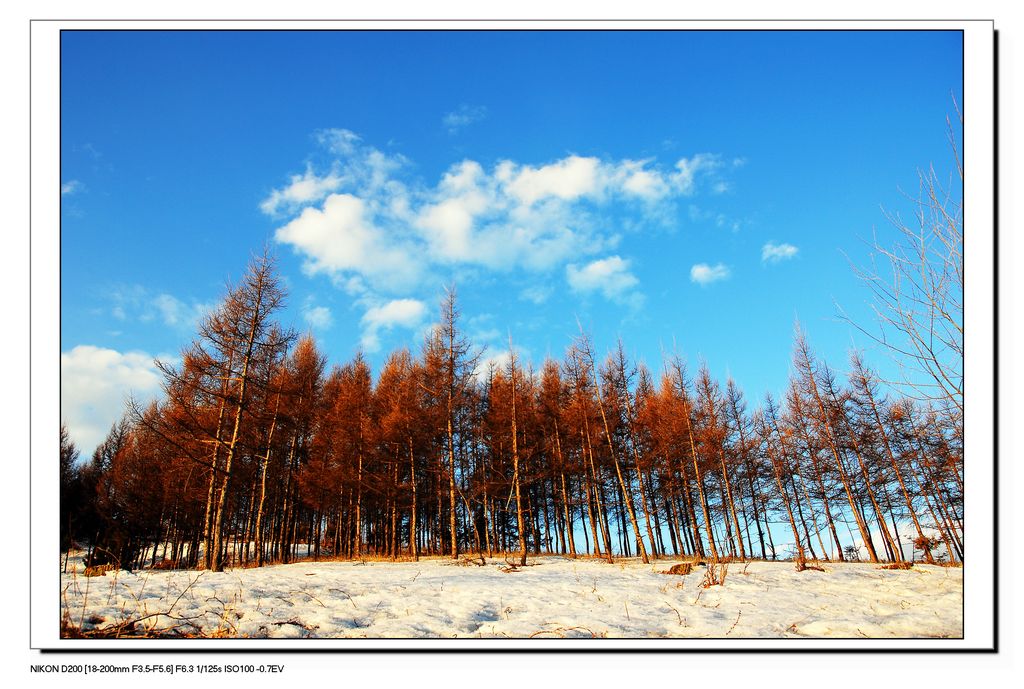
[[897, 565]]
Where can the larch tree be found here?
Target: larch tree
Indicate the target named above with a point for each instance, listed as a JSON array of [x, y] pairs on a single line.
[[304, 383], [457, 365], [687, 414], [865, 397], [712, 409], [624, 488], [552, 399], [401, 431], [221, 365], [69, 475]]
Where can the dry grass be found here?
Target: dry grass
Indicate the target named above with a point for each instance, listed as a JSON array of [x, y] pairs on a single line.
[[897, 565], [560, 632], [165, 564], [738, 613], [466, 561], [141, 624], [715, 575]]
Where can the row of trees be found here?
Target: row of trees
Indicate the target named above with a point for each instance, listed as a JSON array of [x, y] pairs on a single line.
[[257, 453]]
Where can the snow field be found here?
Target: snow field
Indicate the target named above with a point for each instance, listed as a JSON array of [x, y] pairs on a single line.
[[553, 597]]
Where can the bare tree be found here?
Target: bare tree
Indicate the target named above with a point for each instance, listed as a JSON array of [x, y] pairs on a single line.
[[917, 287]]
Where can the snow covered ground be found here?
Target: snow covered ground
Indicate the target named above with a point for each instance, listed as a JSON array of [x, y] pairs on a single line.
[[553, 597]]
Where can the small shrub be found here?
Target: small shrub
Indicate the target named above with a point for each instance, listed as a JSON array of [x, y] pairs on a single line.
[[926, 544], [715, 575], [802, 566]]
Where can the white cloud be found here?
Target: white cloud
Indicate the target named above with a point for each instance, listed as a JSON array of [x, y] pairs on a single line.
[[567, 179], [137, 302], [71, 186], [339, 237], [340, 141], [639, 180], [687, 170], [447, 224], [464, 116], [369, 223], [512, 216], [175, 312], [318, 316], [530, 217], [610, 276], [490, 359], [302, 190], [94, 385], [703, 274], [773, 253], [402, 313]]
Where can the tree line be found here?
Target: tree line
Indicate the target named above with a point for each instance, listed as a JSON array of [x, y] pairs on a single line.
[[256, 453]]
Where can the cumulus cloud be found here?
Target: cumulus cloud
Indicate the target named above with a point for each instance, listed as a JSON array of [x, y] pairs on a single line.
[[566, 179], [401, 313], [773, 253], [609, 276], [464, 116], [446, 223], [362, 218], [95, 383], [340, 237], [637, 179], [302, 190], [703, 274], [366, 220]]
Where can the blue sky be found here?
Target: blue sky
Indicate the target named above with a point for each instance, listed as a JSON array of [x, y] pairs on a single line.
[[701, 188]]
